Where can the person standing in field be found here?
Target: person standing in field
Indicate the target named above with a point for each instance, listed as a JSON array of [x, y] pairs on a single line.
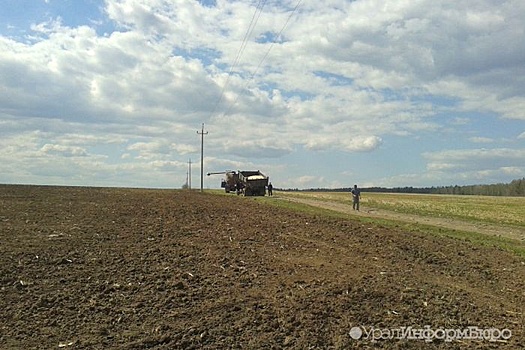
[[270, 189], [356, 196]]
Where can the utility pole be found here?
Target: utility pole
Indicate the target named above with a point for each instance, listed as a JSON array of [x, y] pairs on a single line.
[[202, 133], [189, 174]]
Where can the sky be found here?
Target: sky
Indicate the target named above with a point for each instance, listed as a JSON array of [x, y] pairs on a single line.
[[313, 93]]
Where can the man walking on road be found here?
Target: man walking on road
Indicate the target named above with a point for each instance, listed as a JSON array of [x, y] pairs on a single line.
[[356, 195]]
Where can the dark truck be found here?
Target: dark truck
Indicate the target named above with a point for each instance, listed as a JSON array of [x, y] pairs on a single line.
[[247, 182]]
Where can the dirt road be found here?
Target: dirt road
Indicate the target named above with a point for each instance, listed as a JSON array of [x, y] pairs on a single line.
[[94, 268], [449, 223]]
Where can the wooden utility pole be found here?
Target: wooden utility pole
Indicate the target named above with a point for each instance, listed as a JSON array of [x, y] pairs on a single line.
[[189, 174], [202, 133]]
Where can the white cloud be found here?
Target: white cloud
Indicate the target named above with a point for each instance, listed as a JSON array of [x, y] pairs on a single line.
[[345, 142], [477, 163], [308, 181], [479, 139], [184, 148], [344, 76], [66, 151]]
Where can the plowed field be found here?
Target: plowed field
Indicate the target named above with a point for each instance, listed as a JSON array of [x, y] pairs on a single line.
[[96, 268]]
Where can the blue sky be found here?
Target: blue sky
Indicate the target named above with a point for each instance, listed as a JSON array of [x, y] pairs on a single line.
[[331, 94]]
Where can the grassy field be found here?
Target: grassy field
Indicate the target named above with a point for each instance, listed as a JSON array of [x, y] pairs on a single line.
[[481, 209]]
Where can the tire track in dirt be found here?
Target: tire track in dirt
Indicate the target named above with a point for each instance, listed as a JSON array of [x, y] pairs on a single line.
[[448, 223]]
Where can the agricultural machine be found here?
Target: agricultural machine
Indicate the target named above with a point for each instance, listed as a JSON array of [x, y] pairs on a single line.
[[249, 183]]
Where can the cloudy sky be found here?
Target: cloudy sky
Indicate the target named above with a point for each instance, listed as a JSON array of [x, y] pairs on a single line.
[[314, 93]]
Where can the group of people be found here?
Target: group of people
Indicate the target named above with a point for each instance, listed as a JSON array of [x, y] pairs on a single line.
[[356, 195]]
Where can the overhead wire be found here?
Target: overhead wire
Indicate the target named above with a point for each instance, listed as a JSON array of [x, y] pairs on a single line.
[[249, 32], [255, 18], [273, 43], [265, 56]]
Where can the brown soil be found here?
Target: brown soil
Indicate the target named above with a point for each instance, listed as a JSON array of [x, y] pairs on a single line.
[[94, 268]]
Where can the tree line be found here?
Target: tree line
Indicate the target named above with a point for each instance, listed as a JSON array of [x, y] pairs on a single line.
[[514, 188]]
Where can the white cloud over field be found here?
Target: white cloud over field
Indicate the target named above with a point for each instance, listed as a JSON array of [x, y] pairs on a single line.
[[321, 93]]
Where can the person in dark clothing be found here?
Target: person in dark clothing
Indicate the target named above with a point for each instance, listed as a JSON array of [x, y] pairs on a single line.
[[356, 196], [270, 189]]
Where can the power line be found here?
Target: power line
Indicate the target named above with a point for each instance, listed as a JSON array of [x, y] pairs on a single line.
[[265, 55], [249, 32], [273, 43], [255, 18]]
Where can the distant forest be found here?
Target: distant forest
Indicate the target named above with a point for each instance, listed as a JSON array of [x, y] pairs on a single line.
[[514, 188]]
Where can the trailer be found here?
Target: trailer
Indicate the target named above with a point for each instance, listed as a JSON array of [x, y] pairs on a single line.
[[254, 182], [246, 182]]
